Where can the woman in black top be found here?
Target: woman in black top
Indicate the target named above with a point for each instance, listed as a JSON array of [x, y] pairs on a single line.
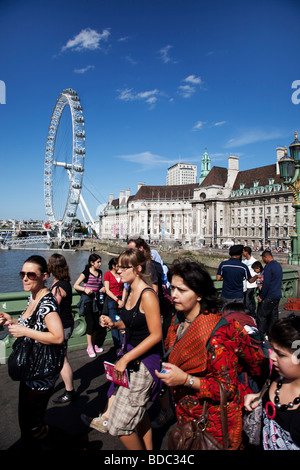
[[61, 288], [140, 354]]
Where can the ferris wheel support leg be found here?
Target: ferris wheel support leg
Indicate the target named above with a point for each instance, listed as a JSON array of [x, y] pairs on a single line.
[[82, 212], [82, 201]]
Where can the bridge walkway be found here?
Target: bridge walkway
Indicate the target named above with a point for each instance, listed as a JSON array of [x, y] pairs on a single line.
[[91, 386]]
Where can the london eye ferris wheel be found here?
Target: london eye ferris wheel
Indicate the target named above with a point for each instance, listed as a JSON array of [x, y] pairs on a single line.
[[73, 163]]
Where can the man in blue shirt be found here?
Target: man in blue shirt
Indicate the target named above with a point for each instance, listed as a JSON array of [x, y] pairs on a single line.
[[270, 294], [233, 272]]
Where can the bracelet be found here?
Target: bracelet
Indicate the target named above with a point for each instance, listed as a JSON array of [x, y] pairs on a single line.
[[187, 376]]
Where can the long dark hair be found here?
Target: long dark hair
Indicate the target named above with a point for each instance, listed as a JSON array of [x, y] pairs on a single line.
[[57, 265], [39, 261], [92, 258], [197, 278], [112, 262]]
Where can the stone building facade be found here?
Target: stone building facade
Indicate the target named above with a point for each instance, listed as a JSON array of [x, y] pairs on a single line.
[[251, 207]]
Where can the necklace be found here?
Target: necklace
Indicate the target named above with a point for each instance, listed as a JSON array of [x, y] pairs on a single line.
[[188, 321], [291, 404]]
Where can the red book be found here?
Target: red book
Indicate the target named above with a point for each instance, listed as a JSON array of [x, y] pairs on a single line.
[[109, 369]]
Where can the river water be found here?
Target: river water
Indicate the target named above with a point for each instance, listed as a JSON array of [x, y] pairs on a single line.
[[11, 262]]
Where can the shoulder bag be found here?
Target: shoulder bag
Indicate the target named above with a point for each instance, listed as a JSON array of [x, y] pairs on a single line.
[[252, 420], [192, 435], [31, 360]]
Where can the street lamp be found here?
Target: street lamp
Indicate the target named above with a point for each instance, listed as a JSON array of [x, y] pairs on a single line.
[[290, 172]]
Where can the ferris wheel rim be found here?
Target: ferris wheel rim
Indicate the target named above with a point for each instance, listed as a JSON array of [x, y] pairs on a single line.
[[76, 169]]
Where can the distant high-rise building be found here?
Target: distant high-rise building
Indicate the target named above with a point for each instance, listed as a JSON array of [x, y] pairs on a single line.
[[182, 173]]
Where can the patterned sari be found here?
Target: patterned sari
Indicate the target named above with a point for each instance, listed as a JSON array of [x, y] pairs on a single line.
[[230, 344]]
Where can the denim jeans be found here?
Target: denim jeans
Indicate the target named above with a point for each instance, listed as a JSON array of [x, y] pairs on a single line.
[[267, 314]]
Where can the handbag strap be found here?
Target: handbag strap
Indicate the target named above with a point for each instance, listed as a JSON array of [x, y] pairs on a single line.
[[265, 387], [223, 412]]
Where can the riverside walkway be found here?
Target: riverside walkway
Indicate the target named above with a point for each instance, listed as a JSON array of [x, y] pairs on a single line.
[[91, 385]]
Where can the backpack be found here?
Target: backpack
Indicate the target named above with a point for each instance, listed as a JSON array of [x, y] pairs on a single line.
[[249, 324]]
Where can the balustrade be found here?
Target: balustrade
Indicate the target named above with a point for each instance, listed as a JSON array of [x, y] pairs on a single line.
[[15, 302]]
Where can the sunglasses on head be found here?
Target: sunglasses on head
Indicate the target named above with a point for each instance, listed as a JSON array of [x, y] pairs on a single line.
[[32, 276]]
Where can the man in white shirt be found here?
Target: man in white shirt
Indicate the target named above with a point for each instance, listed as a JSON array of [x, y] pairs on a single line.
[[249, 293]]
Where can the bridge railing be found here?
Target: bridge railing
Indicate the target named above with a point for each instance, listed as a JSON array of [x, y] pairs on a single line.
[[26, 241], [15, 302]]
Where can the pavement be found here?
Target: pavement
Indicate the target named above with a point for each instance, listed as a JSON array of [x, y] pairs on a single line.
[[91, 387]]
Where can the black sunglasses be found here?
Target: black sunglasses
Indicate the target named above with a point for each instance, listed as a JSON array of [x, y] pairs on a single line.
[[123, 268], [30, 275]]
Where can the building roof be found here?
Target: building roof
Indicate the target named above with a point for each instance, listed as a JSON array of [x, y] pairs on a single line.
[[216, 177], [179, 191], [262, 175], [182, 163]]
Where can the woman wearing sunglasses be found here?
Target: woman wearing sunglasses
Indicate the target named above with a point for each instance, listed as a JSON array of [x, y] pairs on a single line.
[[140, 355], [48, 329]]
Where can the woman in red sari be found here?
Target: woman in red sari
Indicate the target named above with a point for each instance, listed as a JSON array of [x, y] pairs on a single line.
[[194, 368]]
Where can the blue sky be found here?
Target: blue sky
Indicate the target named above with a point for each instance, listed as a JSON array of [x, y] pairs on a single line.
[[159, 81]]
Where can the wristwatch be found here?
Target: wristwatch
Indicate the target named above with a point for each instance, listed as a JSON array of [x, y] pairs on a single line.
[[190, 384]]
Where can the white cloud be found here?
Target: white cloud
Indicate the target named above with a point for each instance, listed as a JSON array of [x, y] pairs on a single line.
[[150, 97], [87, 39], [193, 79], [124, 39], [220, 123], [198, 125], [130, 60], [186, 91], [252, 137], [165, 56], [84, 69], [145, 160], [192, 83]]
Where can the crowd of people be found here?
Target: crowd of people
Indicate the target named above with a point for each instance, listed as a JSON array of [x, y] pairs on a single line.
[[175, 338]]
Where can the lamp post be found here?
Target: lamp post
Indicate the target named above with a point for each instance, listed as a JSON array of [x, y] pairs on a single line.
[[290, 172]]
